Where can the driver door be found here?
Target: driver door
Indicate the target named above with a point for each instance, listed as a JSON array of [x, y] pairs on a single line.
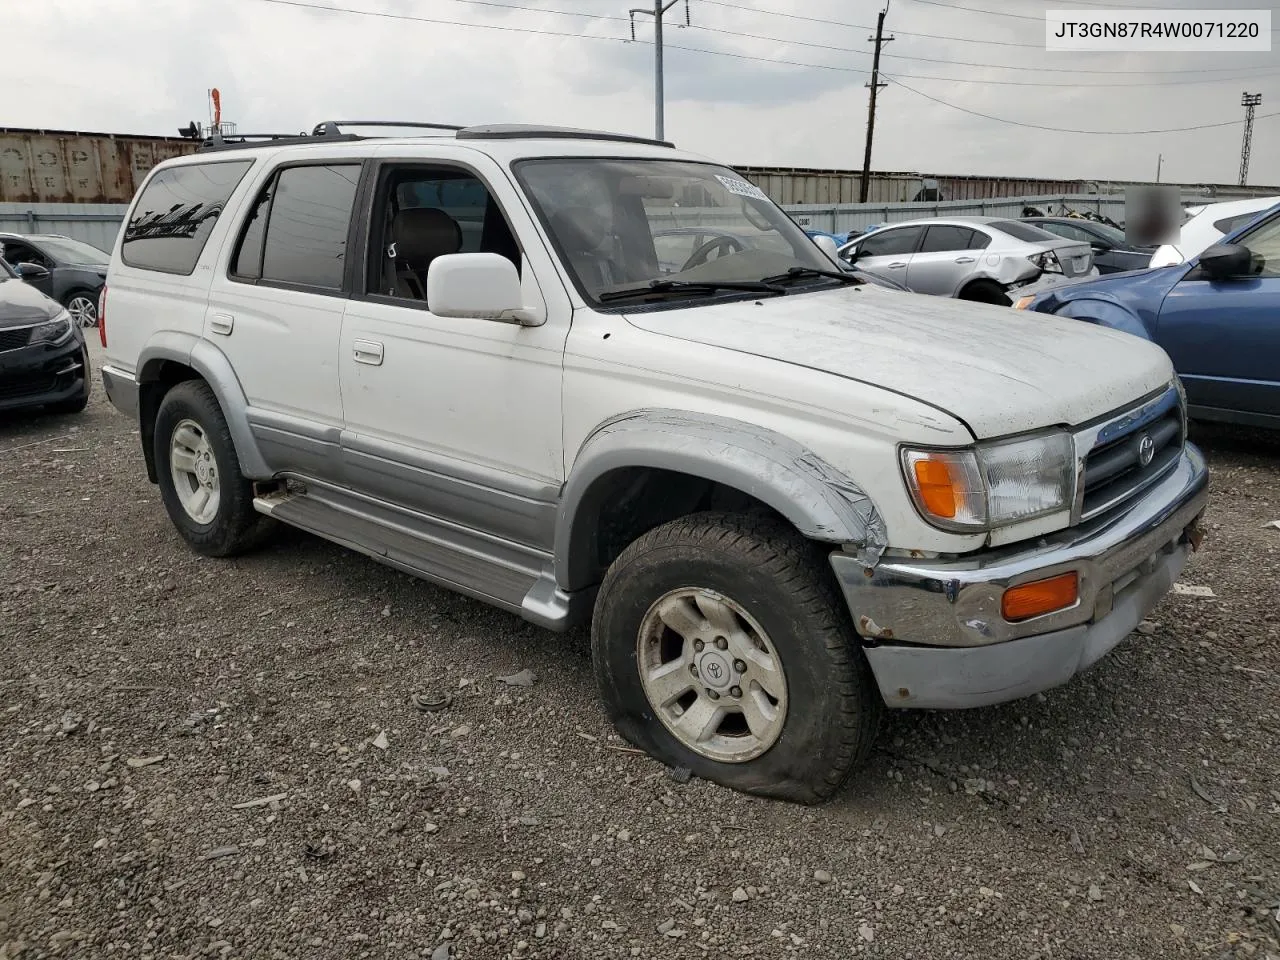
[[1224, 336], [888, 252]]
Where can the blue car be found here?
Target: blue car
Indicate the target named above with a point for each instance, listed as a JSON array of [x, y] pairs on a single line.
[[1217, 316]]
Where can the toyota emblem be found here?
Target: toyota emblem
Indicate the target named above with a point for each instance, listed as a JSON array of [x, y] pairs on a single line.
[[1146, 450], [714, 670]]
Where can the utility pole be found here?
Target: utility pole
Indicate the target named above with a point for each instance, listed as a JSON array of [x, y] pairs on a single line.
[[1159, 165], [875, 85], [659, 9], [1250, 102]]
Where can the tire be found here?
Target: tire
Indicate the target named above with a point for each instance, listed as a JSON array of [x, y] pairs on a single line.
[[986, 291], [229, 525], [83, 307], [829, 707]]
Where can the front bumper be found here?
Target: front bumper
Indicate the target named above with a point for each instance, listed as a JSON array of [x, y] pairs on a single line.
[[41, 374], [934, 632]]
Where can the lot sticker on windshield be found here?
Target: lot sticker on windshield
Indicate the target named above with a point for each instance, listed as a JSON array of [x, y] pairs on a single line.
[[742, 188]]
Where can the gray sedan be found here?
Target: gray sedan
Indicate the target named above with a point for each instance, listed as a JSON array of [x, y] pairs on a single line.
[[972, 258]]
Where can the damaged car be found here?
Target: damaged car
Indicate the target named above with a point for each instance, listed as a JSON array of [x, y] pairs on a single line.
[[986, 259], [783, 498]]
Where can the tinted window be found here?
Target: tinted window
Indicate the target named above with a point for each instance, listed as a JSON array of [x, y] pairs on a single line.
[[943, 239], [171, 222], [1231, 224], [1021, 231], [306, 241], [1066, 231], [248, 258], [889, 243]]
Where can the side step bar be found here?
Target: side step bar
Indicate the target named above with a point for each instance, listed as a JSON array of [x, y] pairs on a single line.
[[506, 575]]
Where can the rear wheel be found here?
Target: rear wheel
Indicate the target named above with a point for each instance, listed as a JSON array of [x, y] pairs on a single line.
[[721, 645], [204, 492], [986, 291], [83, 307]]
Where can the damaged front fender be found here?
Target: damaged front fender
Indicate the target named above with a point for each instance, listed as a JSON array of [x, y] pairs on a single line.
[[819, 500]]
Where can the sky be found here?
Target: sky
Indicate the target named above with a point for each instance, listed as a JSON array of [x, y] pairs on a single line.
[[748, 82]]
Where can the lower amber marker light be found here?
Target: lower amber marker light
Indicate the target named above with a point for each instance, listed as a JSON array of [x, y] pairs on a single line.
[[1035, 599]]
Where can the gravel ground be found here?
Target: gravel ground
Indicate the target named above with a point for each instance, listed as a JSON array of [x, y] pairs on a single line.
[[223, 758]]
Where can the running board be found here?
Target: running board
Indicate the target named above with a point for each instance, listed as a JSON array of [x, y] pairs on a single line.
[[507, 575]]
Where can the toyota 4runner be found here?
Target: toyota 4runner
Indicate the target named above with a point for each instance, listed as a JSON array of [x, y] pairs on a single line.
[[587, 377]]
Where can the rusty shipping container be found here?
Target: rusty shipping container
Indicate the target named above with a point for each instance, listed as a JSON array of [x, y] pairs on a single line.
[[67, 166]]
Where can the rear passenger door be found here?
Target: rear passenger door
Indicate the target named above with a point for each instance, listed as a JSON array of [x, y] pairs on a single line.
[[947, 258], [455, 418], [888, 252], [275, 309]]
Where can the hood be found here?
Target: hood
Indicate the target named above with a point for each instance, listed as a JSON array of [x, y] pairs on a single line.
[[21, 303], [998, 370]]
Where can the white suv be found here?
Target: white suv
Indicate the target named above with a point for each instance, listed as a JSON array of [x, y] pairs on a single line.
[[784, 497]]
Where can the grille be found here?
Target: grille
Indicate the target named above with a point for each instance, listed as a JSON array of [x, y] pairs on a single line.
[[1114, 471], [16, 388], [13, 339]]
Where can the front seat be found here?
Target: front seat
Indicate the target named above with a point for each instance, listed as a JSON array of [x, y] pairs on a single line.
[[582, 232], [421, 234]]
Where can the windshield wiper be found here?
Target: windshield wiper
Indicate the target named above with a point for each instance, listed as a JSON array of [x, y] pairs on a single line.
[[804, 273], [691, 286]]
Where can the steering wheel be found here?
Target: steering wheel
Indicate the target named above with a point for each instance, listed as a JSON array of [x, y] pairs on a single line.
[[703, 253]]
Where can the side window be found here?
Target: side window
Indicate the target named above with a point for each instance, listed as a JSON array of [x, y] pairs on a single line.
[[891, 243], [16, 253], [1265, 242], [947, 239], [1232, 224], [979, 240], [247, 263], [427, 212], [171, 221], [310, 214]]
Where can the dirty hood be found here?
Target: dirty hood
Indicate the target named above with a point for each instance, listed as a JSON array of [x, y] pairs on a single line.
[[998, 370]]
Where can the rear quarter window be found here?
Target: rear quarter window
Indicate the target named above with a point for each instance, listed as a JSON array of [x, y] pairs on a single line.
[[174, 215]]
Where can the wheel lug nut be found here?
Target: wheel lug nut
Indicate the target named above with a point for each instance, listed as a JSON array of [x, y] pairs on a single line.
[[735, 691], [712, 694], [739, 666], [721, 643], [698, 645], [693, 669]]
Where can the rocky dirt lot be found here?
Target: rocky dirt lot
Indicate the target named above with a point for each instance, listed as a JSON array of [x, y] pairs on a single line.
[[207, 758]]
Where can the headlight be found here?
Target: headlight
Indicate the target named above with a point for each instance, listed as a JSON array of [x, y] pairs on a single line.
[[55, 331], [992, 484]]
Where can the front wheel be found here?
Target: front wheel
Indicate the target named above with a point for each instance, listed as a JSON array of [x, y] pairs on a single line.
[[83, 307], [720, 644], [204, 493]]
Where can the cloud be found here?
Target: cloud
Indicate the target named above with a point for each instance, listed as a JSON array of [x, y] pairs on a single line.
[[145, 67]]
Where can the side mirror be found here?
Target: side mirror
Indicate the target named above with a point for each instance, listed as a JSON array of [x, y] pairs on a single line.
[[32, 272], [828, 246], [1226, 261], [478, 286]]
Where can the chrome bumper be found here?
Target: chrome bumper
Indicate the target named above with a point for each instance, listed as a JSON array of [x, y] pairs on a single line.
[[934, 630], [122, 390]]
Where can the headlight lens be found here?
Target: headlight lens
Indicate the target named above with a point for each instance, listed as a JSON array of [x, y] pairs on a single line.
[[992, 484], [55, 331]]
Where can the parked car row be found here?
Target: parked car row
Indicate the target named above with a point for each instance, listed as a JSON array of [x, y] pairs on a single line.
[[70, 271], [43, 358]]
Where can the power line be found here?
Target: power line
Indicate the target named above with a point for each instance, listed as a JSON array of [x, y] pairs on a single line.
[[1036, 126], [379, 14]]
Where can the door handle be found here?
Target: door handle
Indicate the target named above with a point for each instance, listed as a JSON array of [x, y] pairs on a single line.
[[895, 266], [964, 259], [367, 351], [221, 323]]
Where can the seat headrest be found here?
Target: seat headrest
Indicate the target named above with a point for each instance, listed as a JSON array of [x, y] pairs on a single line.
[[423, 233], [580, 229]]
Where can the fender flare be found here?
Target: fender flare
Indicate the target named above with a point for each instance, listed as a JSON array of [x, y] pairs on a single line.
[[215, 369], [821, 502]]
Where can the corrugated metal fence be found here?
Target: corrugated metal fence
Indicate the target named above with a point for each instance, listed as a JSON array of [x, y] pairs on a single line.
[[98, 223], [95, 223]]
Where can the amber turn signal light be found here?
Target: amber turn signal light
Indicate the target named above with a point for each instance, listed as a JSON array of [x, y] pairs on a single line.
[[1040, 597], [937, 489]]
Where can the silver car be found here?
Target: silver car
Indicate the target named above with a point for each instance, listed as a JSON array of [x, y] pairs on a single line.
[[987, 259]]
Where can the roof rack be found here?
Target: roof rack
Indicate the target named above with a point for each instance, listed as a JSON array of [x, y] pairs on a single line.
[[516, 131], [331, 131]]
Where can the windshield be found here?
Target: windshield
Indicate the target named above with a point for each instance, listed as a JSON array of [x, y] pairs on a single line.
[[622, 224], [73, 251]]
